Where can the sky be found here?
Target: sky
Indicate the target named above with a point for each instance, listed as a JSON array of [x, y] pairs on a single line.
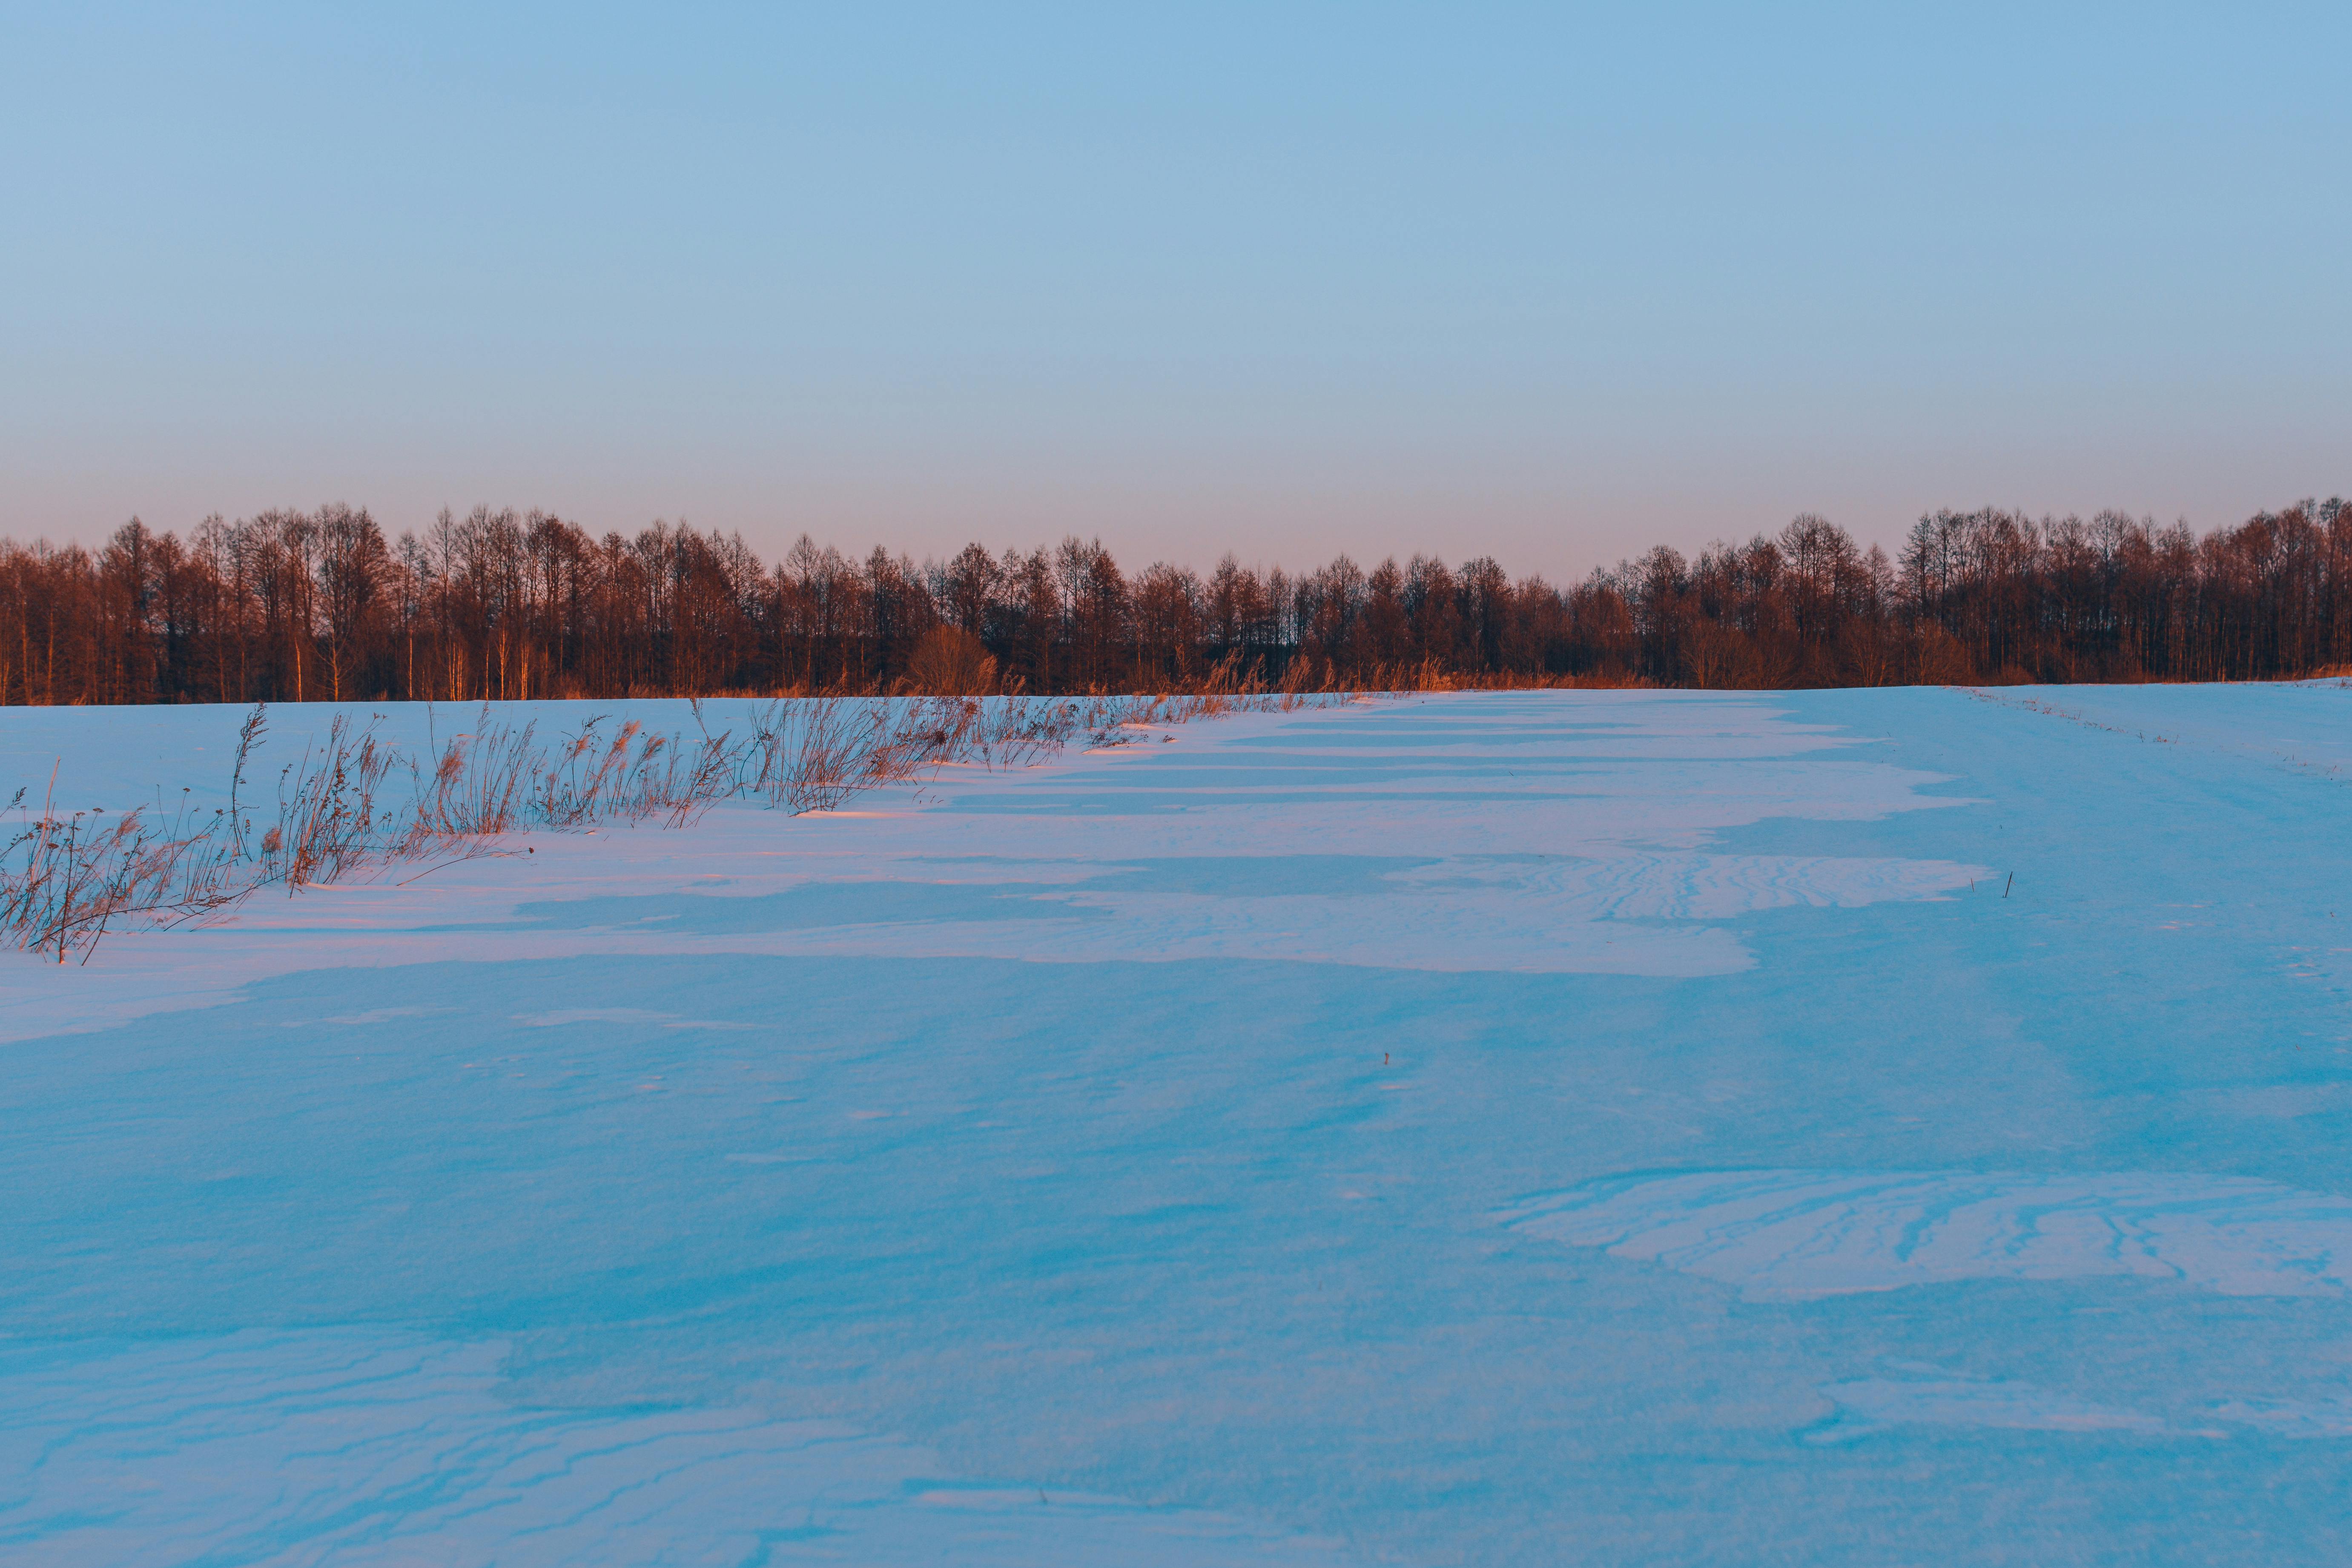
[[1549, 282]]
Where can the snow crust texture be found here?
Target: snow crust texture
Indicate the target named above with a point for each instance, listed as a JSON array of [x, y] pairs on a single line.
[[1594, 1128], [1825, 1233]]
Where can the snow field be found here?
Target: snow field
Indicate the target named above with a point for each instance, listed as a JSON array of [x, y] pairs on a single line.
[[1578, 1127]]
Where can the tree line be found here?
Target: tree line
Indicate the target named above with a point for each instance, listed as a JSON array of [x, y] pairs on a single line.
[[294, 605]]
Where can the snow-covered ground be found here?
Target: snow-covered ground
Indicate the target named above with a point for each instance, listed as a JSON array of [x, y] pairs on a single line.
[[1868, 1126]]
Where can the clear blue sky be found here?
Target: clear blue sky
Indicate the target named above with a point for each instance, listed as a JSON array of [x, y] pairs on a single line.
[[1545, 282]]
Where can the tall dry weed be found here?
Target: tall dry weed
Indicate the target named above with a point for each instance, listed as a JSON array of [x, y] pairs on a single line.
[[64, 881], [79, 875]]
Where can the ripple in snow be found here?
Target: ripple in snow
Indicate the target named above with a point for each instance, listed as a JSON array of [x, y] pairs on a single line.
[[1867, 1404], [355, 1446], [1826, 1233]]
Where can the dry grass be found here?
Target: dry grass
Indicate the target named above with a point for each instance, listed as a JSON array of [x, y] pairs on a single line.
[[66, 882], [80, 874]]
